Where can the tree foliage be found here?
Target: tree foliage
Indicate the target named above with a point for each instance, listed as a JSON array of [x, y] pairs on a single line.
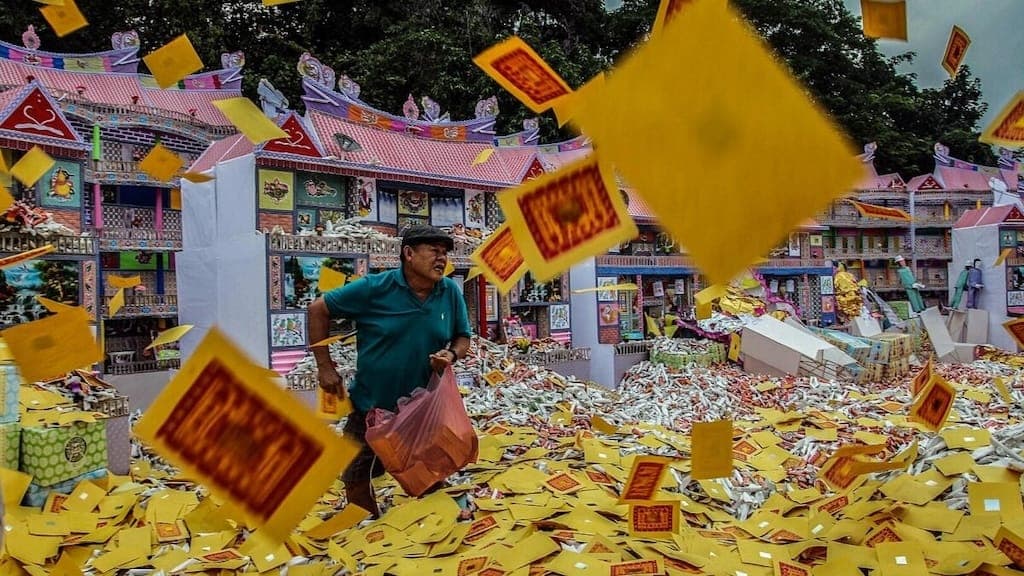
[[394, 49]]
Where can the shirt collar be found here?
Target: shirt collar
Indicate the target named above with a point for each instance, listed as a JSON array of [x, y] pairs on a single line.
[[400, 278]]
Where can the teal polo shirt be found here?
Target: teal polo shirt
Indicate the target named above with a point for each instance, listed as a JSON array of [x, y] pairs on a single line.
[[397, 333]]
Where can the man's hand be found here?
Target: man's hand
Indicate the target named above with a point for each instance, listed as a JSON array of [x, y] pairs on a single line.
[[442, 359], [330, 381]]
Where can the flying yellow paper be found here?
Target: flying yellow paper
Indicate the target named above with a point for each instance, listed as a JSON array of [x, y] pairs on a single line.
[[520, 70], [735, 344], [52, 347], [884, 19], [687, 161], [712, 449], [6, 199], [20, 257], [500, 260], [124, 281], [483, 156], [161, 164], [624, 287], [449, 267], [667, 11], [196, 177], [53, 305], [250, 441], [562, 218], [51, 2], [1007, 129], [956, 49], [278, 2], [172, 62], [64, 18], [31, 167], [474, 271], [13, 485], [328, 341], [116, 303], [933, 404], [1006, 253], [170, 335], [249, 120], [330, 279]]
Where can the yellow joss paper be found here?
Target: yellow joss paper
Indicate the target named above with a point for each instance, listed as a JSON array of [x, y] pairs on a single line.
[[116, 303], [330, 407], [1002, 257], [521, 71], [173, 62], [64, 17], [251, 442], [161, 164], [449, 267], [249, 120], [330, 279], [483, 156], [712, 449], [1007, 129], [278, 2], [51, 347], [6, 199], [667, 11], [31, 167], [500, 260], [124, 281], [562, 218], [197, 177], [170, 335], [932, 406], [956, 50], [688, 161], [884, 18]]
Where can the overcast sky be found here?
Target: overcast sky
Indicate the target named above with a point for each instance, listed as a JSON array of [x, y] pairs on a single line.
[[995, 54]]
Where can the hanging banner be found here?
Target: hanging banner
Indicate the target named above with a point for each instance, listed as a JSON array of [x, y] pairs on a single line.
[[880, 212]]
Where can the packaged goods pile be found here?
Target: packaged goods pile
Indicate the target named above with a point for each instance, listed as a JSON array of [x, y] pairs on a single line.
[[683, 352], [556, 455]]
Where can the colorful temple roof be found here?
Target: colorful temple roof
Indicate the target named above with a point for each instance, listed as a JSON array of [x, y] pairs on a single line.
[[111, 82], [952, 174]]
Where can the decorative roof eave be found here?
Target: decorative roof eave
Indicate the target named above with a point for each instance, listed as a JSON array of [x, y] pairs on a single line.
[[335, 166], [123, 59], [59, 148], [318, 97], [106, 115], [31, 127], [223, 79]]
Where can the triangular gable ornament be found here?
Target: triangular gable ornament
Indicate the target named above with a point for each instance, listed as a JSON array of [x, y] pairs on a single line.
[[299, 142], [930, 183], [1014, 215], [535, 170], [35, 114]]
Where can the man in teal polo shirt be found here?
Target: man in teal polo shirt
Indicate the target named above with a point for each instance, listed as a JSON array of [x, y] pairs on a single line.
[[411, 321]]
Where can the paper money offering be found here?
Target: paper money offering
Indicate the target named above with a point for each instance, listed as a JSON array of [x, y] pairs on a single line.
[[251, 442]]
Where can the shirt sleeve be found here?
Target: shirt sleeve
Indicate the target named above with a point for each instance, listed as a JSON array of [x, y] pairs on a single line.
[[462, 327], [350, 300]]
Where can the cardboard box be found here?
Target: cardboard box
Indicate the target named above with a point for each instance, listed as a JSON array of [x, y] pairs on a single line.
[[10, 385], [769, 342], [902, 344], [119, 445], [977, 327], [37, 494], [957, 325], [55, 454], [10, 445], [866, 327], [938, 334]]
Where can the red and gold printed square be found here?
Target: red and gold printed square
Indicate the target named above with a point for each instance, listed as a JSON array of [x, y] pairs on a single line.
[[562, 218], [642, 567], [1008, 128], [225, 424], [563, 483], [933, 404], [1015, 327], [500, 259], [956, 49], [520, 70], [654, 519], [1011, 544], [599, 477], [790, 568], [667, 11], [644, 479]]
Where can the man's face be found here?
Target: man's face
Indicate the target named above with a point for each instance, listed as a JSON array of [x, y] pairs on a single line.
[[427, 260]]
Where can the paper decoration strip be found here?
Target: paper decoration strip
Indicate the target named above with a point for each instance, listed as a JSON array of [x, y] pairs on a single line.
[[172, 62], [520, 70], [687, 161], [1008, 127], [8, 261], [249, 441], [330, 279], [880, 212], [884, 19], [170, 335], [500, 260], [161, 164], [249, 120], [712, 449], [64, 18], [124, 281], [562, 218], [116, 303], [956, 50], [52, 347], [31, 167]]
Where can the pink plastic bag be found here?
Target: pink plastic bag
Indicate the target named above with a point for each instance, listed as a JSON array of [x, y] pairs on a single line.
[[429, 439]]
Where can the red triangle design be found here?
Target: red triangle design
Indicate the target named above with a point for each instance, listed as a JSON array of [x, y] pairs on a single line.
[[536, 170], [298, 141], [37, 117], [929, 184], [1013, 215]]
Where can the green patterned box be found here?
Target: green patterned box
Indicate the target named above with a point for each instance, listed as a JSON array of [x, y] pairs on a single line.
[[10, 445], [55, 454]]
